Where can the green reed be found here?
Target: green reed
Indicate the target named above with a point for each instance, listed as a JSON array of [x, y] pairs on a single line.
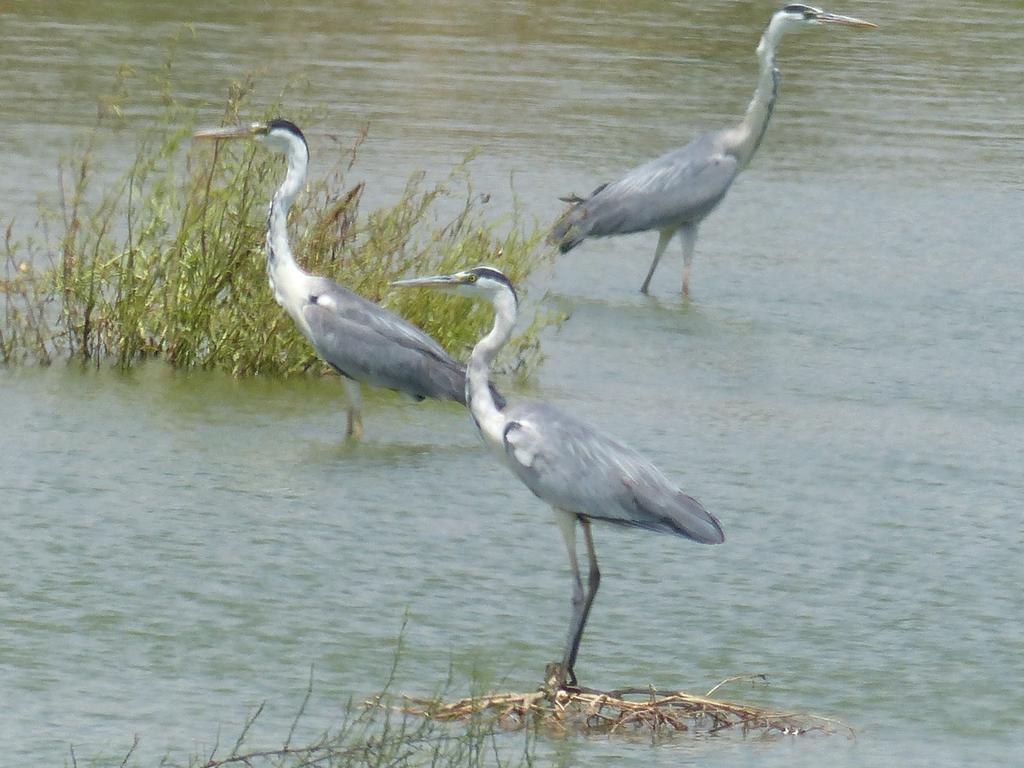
[[168, 261]]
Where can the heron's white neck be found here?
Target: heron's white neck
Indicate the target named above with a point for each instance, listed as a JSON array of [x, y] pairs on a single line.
[[284, 272], [746, 137], [488, 418]]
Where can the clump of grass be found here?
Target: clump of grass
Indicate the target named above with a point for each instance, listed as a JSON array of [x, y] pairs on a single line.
[[372, 737], [362, 736], [168, 261]]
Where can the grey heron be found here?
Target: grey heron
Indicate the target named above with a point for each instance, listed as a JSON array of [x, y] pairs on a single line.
[[675, 192], [361, 340], [582, 473]]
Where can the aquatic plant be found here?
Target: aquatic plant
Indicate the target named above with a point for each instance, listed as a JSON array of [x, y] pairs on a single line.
[[365, 735], [167, 261]]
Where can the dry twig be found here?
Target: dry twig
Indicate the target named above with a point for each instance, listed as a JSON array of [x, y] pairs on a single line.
[[624, 710]]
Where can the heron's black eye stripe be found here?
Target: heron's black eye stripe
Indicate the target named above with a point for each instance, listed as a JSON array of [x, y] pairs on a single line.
[[492, 274], [808, 13]]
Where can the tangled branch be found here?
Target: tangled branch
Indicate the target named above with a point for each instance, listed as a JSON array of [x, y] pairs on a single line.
[[588, 710]]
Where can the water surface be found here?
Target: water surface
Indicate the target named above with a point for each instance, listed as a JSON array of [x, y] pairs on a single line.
[[842, 391]]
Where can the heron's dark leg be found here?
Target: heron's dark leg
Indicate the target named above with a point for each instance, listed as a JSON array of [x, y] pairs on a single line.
[[580, 602], [355, 409], [689, 237], [593, 581], [567, 524], [663, 237]]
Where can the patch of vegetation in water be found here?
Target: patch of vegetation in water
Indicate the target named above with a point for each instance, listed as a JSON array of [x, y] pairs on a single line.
[[370, 734], [168, 261]]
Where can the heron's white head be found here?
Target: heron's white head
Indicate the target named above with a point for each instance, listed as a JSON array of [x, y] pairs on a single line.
[[797, 15], [278, 134], [478, 282]]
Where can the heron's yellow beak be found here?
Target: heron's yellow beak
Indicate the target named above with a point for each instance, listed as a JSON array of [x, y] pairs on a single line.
[[434, 281], [231, 132], [845, 21]]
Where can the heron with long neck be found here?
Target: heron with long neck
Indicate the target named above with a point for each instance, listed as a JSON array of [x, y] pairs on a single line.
[[675, 192], [361, 340], [584, 474]]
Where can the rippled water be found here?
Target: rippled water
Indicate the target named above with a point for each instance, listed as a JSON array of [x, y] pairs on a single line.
[[843, 392]]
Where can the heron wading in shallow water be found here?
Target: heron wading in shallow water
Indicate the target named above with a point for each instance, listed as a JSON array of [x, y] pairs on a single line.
[[674, 192], [582, 473], [359, 339]]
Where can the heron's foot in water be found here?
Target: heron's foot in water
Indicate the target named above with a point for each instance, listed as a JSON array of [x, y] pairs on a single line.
[[556, 679]]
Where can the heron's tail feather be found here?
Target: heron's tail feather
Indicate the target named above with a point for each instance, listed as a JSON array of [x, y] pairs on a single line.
[[568, 231], [573, 199], [574, 225], [690, 519], [671, 511]]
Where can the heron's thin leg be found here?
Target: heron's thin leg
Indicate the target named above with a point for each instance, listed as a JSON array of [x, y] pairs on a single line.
[[689, 237], [593, 581], [567, 524], [663, 237], [355, 409]]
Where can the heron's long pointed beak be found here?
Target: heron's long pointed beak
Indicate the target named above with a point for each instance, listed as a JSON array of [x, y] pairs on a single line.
[[434, 281], [227, 132], [846, 21]]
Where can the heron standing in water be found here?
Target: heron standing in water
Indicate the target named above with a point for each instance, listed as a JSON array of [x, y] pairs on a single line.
[[674, 192], [581, 472], [359, 339]]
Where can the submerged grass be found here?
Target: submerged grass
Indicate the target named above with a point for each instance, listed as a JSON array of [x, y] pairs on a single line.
[[167, 262]]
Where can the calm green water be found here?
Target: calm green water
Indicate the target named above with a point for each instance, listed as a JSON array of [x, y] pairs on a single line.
[[843, 392]]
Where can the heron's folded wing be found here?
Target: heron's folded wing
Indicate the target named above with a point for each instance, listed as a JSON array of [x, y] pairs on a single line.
[[365, 347], [576, 468], [350, 306], [661, 506], [678, 187]]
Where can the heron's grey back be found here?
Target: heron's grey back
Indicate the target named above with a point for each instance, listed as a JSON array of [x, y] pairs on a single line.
[[680, 187], [366, 342], [574, 467]]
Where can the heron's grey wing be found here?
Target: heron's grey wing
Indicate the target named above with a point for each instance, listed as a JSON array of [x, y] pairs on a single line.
[[576, 468], [677, 188], [359, 309], [674, 189], [368, 343]]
